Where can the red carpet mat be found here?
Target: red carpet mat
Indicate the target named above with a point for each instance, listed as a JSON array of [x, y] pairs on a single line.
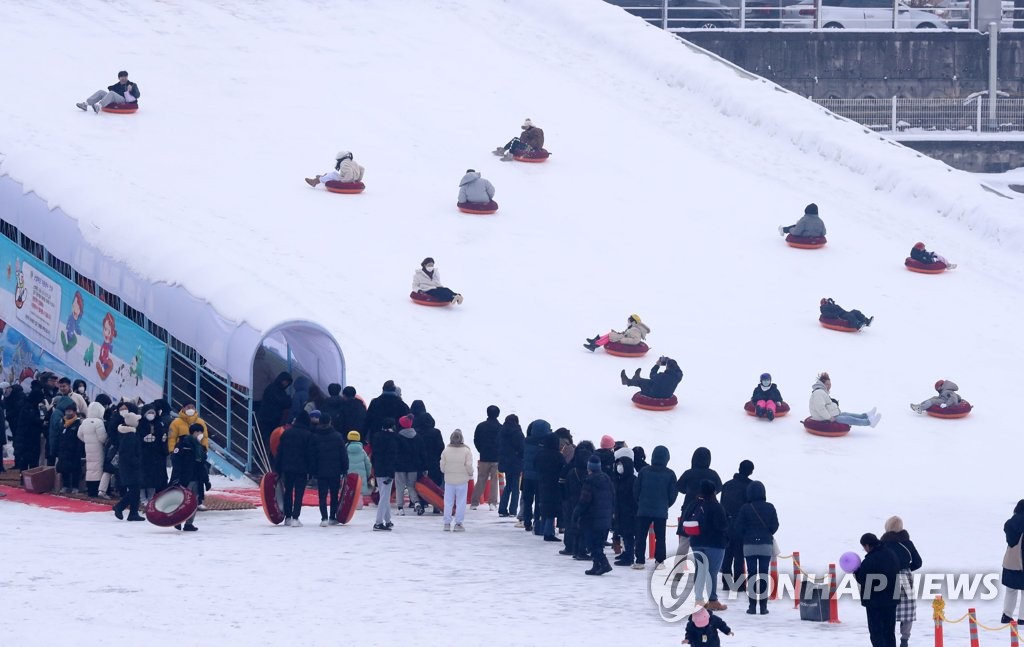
[[52, 501]]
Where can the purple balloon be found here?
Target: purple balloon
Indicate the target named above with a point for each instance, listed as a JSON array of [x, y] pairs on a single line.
[[849, 562]]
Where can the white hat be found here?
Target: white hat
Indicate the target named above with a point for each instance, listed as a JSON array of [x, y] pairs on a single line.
[[623, 452], [342, 155], [527, 123]]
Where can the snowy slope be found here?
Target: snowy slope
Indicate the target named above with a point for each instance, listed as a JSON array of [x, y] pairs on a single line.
[[669, 176]]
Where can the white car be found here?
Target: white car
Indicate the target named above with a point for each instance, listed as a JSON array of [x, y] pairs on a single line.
[[858, 14]]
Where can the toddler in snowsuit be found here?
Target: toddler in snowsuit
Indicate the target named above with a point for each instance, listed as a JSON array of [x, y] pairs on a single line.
[[809, 226], [635, 333], [947, 397], [922, 255], [427, 280], [703, 628], [855, 318], [766, 397], [345, 170]]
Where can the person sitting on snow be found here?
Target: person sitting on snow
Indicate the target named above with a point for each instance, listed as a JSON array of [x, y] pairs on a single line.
[[922, 255], [117, 93], [825, 408], [766, 397], [428, 281], [855, 318], [345, 170], [532, 139], [947, 397], [473, 188], [809, 226], [665, 377], [635, 333]]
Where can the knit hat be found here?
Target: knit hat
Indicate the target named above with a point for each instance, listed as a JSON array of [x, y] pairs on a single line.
[[527, 123], [349, 392], [635, 317], [624, 452], [354, 435], [893, 524], [700, 618], [746, 468], [389, 386], [811, 209], [938, 385], [594, 464], [5, 385], [607, 442], [707, 489], [918, 245], [342, 155], [315, 413], [192, 429], [405, 422]]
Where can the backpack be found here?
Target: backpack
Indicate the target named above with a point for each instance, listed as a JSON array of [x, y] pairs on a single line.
[[692, 519]]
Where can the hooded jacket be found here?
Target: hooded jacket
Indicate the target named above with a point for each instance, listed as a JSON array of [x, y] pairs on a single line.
[[431, 443], [948, 393], [655, 487], [663, 382], [179, 428], [700, 470], [328, 455], [187, 462], [879, 568], [511, 443], [625, 504], [923, 255], [386, 405], [350, 171], [771, 393], [535, 433], [549, 464], [572, 478], [425, 282], [457, 464], [410, 452], [810, 225], [69, 449], [821, 405], [385, 453], [474, 188], [93, 433], [906, 553], [635, 334], [734, 494], [274, 404], [757, 522], [596, 503], [31, 424], [359, 463], [1013, 559], [347, 414], [293, 453], [153, 434], [129, 453], [300, 394], [485, 439]]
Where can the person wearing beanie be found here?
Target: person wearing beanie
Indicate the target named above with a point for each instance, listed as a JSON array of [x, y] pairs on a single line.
[[897, 539], [809, 226], [635, 333], [122, 92], [947, 397], [594, 511], [485, 439], [734, 495], [68, 449], [766, 398], [754, 527], [457, 465], [878, 576], [531, 139], [409, 463], [606, 452], [510, 463], [345, 170], [386, 405], [664, 377], [1013, 565], [188, 467], [920, 254], [293, 463], [329, 464], [624, 518], [703, 628], [384, 461], [359, 463], [549, 464], [427, 279], [829, 309], [705, 524]]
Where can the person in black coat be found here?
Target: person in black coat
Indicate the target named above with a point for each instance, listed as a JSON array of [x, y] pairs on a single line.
[[571, 481], [31, 423], [922, 255], [655, 492], [549, 465], [485, 439], [329, 462], [432, 443], [383, 460], [409, 464], [187, 467], [877, 577], [129, 467], [766, 398], [709, 544], [1013, 565], [594, 512], [274, 405], [703, 628], [754, 528], [388, 404], [897, 539], [347, 412], [854, 318], [510, 462], [292, 462], [665, 376], [734, 495], [70, 451], [639, 459], [153, 433], [625, 505], [689, 486]]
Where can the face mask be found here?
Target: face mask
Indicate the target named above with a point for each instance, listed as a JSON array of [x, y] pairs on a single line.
[[619, 468], [150, 416], [122, 412], [199, 436], [81, 389], [190, 412], [766, 384], [429, 268]]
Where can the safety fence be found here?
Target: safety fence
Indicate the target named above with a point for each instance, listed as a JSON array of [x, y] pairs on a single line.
[[974, 627], [902, 115]]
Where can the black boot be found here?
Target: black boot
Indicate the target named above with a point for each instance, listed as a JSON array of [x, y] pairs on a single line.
[[625, 380], [590, 346], [752, 606], [593, 340], [764, 607], [118, 512], [597, 568], [606, 567], [759, 411]]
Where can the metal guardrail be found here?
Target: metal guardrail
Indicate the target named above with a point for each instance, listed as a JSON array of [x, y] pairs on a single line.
[[899, 115]]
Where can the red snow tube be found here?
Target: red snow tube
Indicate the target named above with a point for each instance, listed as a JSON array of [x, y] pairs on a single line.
[[171, 507], [958, 411], [425, 299], [272, 496], [351, 490], [430, 492], [837, 324], [806, 242], [478, 208], [654, 404], [126, 108], [938, 267], [626, 350], [344, 187], [825, 428], [751, 409], [534, 157]]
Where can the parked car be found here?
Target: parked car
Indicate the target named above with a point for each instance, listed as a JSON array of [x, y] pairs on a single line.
[[859, 14], [957, 13], [683, 14]]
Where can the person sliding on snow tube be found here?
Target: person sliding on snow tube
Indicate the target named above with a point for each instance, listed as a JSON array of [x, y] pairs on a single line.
[[428, 281], [345, 170], [947, 397], [825, 408], [474, 189], [532, 139], [766, 398], [922, 255], [830, 310], [124, 91], [809, 226], [665, 377], [635, 333]]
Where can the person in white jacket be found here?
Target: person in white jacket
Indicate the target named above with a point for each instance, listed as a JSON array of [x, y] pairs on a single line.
[[93, 433], [428, 281], [345, 170], [457, 466], [635, 333], [824, 408]]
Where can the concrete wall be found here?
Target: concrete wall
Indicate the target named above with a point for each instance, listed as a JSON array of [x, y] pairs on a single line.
[[855, 65], [975, 156]]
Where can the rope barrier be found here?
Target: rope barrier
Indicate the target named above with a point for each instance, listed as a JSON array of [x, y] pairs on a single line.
[[939, 617]]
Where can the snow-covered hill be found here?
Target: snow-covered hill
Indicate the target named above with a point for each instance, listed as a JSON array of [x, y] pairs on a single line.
[[670, 172]]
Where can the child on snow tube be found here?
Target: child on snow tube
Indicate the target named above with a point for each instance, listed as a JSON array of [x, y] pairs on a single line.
[[664, 378], [809, 226], [855, 318], [922, 255], [634, 335], [947, 397], [766, 398]]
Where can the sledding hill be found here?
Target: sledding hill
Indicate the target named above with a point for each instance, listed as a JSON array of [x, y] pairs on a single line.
[[670, 172]]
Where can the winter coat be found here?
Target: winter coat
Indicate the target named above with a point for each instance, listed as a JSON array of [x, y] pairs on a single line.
[[625, 504], [948, 393], [485, 439], [385, 453], [663, 383], [734, 494], [422, 281], [180, 425], [293, 452], [69, 449], [129, 457], [511, 442], [432, 444], [549, 465], [57, 406], [596, 502], [153, 434], [187, 462], [1013, 560], [572, 481], [821, 405], [607, 457], [535, 433], [635, 334], [410, 452], [771, 393], [655, 488], [906, 553], [878, 568], [714, 527], [473, 188], [13, 403], [923, 255], [300, 395], [832, 310], [274, 404], [757, 522], [386, 405], [347, 414], [810, 226], [94, 435], [328, 456], [533, 137], [457, 464], [706, 636], [359, 463], [122, 88], [700, 470], [349, 171], [29, 429]]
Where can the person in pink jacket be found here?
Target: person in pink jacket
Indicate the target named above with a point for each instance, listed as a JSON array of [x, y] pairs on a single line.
[[457, 465]]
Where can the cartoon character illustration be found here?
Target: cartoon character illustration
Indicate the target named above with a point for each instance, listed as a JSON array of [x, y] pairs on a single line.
[[135, 370], [20, 292], [105, 365], [89, 354], [73, 329]]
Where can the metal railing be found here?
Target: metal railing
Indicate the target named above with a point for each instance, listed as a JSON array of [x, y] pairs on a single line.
[[899, 115]]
